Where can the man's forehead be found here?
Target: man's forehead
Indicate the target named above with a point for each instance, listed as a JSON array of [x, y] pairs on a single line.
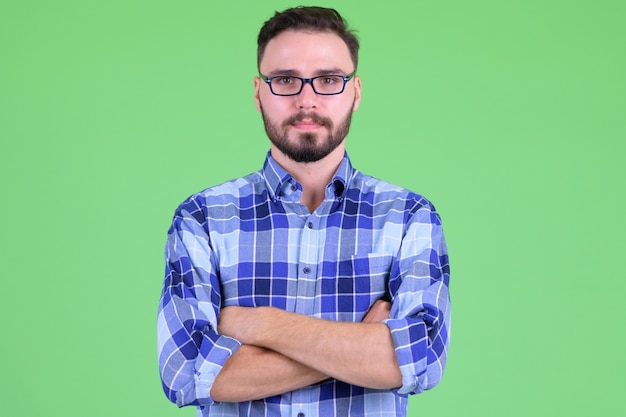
[[296, 49]]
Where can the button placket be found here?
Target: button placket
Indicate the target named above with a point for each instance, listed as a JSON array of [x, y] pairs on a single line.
[[308, 264]]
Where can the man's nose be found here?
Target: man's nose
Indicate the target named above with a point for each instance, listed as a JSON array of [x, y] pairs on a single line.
[[307, 98]]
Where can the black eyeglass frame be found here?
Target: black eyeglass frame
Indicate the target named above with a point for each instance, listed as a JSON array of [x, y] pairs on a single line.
[[345, 79]]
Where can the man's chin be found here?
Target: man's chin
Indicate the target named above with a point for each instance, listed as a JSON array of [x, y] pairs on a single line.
[[304, 154]]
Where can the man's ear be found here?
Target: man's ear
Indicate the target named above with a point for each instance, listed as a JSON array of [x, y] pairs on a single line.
[[357, 93], [257, 87]]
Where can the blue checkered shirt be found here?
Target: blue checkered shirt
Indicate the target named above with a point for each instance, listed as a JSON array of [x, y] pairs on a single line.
[[250, 242]]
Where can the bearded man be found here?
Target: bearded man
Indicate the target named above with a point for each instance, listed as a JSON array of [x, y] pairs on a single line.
[[307, 288]]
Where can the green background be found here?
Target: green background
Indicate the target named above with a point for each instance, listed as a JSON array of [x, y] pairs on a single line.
[[508, 115]]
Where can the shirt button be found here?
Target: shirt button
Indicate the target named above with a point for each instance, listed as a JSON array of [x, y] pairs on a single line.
[[310, 225], [294, 187], [300, 414], [306, 270]]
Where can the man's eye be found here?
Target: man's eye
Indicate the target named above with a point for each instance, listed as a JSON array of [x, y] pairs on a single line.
[[328, 80], [284, 80]]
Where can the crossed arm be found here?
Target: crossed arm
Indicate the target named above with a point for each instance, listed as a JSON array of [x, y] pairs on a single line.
[[284, 351]]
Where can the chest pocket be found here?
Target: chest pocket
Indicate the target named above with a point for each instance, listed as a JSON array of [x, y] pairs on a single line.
[[349, 287]]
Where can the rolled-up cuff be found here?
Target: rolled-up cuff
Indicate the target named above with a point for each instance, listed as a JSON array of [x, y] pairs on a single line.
[[209, 363], [410, 339]]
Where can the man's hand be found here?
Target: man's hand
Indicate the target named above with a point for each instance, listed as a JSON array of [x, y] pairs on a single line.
[[378, 312], [239, 322]]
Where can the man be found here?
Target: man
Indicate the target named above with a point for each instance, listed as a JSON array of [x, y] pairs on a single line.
[[306, 288]]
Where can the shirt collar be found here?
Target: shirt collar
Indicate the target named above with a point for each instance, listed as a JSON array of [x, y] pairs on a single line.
[[277, 178]]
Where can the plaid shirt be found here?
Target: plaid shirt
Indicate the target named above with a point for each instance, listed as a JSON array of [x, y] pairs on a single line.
[[250, 242]]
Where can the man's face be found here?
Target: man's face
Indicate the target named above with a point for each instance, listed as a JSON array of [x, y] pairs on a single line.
[[307, 127]]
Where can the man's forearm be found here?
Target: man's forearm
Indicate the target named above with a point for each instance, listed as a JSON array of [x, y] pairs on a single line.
[[357, 353], [254, 373]]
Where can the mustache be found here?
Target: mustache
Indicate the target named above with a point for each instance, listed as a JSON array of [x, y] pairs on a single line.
[[314, 117]]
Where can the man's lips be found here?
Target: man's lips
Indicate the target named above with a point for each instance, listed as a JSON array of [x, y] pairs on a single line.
[[308, 122], [307, 125]]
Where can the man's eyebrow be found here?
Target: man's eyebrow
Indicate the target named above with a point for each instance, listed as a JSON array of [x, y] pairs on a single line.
[[331, 71], [283, 72]]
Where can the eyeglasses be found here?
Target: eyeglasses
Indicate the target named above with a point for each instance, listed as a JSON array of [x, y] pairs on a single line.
[[324, 85]]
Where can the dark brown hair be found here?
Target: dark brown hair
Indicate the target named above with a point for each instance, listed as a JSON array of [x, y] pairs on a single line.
[[317, 19]]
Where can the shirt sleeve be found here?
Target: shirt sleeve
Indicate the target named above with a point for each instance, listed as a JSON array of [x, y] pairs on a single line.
[[191, 352], [420, 312]]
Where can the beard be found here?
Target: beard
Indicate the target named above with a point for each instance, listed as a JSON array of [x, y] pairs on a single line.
[[308, 146]]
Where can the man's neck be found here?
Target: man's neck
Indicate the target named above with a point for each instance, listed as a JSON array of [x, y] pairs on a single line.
[[313, 176]]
